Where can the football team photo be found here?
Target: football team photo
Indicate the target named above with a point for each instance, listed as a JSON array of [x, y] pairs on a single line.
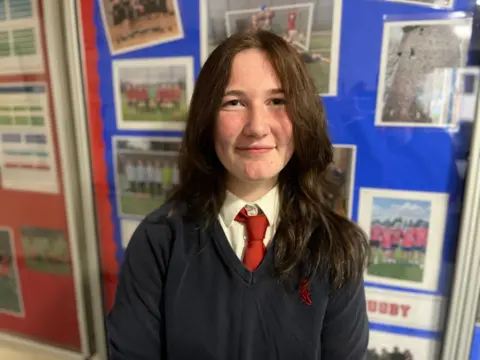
[[417, 71], [46, 250], [152, 94], [406, 236], [11, 301], [312, 27], [134, 24], [390, 346], [145, 173]]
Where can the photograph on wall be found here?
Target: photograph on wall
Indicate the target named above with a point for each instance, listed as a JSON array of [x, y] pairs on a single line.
[[343, 173], [406, 230], [405, 309], [46, 250], [20, 37], [127, 227], [11, 301], [312, 27], [417, 66], [134, 24], [146, 172], [430, 3], [153, 94], [27, 158], [390, 346]]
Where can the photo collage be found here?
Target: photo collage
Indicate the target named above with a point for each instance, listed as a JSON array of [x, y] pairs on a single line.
[[417, 60]]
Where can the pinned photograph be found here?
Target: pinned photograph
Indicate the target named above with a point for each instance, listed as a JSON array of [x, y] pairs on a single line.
[[20, 38], [406, 232], [11, 301], [146, 172], [134, 24], [445, 4], [418, 62], [343, 171], [46, 250], [153, 94], [390, 346], [312, 28]]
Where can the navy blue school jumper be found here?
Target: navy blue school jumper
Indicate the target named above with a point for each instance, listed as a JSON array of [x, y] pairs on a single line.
[[184, 294]]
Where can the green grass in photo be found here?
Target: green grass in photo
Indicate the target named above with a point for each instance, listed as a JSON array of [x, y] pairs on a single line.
[[398, 271], [132, 114]]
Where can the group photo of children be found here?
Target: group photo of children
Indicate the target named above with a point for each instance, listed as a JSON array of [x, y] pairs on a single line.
[[147, 172], [399, 238], [132, 24], [153, 93], [386, 354]]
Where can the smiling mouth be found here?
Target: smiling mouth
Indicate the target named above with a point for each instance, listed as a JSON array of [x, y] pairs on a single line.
[[256, 150]]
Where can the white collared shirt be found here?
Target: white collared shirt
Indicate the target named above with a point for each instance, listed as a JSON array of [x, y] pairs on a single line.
[[235, 231]]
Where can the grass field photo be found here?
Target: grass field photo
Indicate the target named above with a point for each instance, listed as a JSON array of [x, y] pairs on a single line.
[[145, 173], [11, 301], [134, 24], [406, 231], [46, 250], [153, 94], [312, 27]]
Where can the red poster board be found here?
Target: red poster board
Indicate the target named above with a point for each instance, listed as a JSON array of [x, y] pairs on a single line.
[[38, 295]]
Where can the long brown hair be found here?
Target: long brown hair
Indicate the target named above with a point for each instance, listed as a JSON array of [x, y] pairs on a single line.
[[310, 236]]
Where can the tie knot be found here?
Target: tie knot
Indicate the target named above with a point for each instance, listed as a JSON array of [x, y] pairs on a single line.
[[256, 225]]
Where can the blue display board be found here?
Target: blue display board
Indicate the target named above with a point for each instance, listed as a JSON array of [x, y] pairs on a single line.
[[402, 149]]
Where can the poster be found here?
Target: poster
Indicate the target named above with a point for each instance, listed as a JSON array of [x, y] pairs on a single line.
[[127, 227], [312, 27], [408, 310], [20, 42], [46, 250], [417, 71], [389, 346], [153, 94], [134, 24], [343, 171], [11, 301], [406, 231], [27, 159], [145, 173]]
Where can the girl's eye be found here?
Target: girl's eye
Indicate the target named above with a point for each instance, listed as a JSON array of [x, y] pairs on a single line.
[[232, 103], [278, 101]]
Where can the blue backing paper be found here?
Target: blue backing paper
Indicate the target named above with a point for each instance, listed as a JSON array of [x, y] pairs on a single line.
[[399, 158]]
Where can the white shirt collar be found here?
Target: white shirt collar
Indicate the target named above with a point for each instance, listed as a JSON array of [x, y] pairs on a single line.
[[269, 204]]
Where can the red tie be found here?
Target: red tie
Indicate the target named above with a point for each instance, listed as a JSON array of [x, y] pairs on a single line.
[[256, 228]]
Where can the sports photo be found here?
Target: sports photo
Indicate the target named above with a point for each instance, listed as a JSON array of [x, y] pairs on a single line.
[[390, 346], [406, 232], [312, 27], [146, 172], [343, 171], [153, 94], [417, 71], [134, 24], [46, 250], [11, 301]]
